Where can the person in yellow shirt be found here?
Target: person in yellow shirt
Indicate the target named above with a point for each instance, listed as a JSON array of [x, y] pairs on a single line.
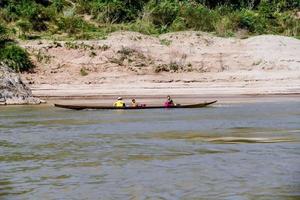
[[119, 103]]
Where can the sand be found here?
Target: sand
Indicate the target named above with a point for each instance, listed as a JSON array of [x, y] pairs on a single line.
[[183, 64]]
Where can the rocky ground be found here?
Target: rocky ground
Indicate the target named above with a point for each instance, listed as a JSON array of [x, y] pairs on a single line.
[[180, 63], [13, 90]]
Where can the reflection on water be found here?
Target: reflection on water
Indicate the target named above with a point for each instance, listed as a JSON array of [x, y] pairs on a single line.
[[246, 151]]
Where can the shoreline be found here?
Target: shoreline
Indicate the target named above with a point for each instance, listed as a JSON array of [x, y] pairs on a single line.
[[155, 94], [158, 100]]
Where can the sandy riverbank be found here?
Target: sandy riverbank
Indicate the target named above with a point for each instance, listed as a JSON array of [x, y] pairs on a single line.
[[183, 64], [156, 93]]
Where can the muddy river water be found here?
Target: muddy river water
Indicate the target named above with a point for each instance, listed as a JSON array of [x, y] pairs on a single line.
[[226, 151]]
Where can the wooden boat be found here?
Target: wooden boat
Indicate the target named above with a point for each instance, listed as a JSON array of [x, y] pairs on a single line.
[[82, 107]]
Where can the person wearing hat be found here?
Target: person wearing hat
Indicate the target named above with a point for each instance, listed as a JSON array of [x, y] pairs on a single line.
[[119, 103]]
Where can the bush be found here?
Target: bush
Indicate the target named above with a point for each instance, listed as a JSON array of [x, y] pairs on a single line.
[[199, 17], [4, 35], [115, 11], [252, 21], [73, 25], [16, 58], [287, 24], [267, 9], [233, 3], [27, 10], [109, 12], [58, 5], [143, 26], [178, 24], [163, 13], [225, 27], [83, 7], [8, 16], [25, 26]]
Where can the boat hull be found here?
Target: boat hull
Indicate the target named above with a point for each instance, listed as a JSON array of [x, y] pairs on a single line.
[[82, 107]]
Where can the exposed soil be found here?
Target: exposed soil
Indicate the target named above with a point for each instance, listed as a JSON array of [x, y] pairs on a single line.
[[179, 63]]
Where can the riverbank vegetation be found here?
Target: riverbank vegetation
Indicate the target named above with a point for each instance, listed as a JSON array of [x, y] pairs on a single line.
[[94, 19], [11, 54], [85, 19]]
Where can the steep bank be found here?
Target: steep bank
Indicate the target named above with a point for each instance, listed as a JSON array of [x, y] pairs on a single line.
[[182, 62], [13, 90]]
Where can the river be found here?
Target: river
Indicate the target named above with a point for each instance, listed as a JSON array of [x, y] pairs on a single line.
[[226, 151]]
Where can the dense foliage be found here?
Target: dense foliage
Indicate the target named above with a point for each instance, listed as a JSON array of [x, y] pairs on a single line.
[[94, 18], [11, 54], [84, 19]]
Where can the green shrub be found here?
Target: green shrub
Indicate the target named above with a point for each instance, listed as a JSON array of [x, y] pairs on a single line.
[[143, 26], [178, 24], [199, 17], [252, 21], [16, 58], [162, 13], [115, 11], [225, 10], [247, 20], [25, 26], [267, 9], [73, 25], [225, 27], [34, 13], [83, 7], [233, 3], [58, 5], [108, 12], [4, 35], [287, 24], [8, 16]]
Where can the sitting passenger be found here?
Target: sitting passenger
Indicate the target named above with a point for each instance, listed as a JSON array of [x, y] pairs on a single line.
[[119, 103], [134, 103], [169, 102]]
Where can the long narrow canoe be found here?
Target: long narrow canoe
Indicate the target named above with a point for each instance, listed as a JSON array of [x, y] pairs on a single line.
[[81, 107]]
